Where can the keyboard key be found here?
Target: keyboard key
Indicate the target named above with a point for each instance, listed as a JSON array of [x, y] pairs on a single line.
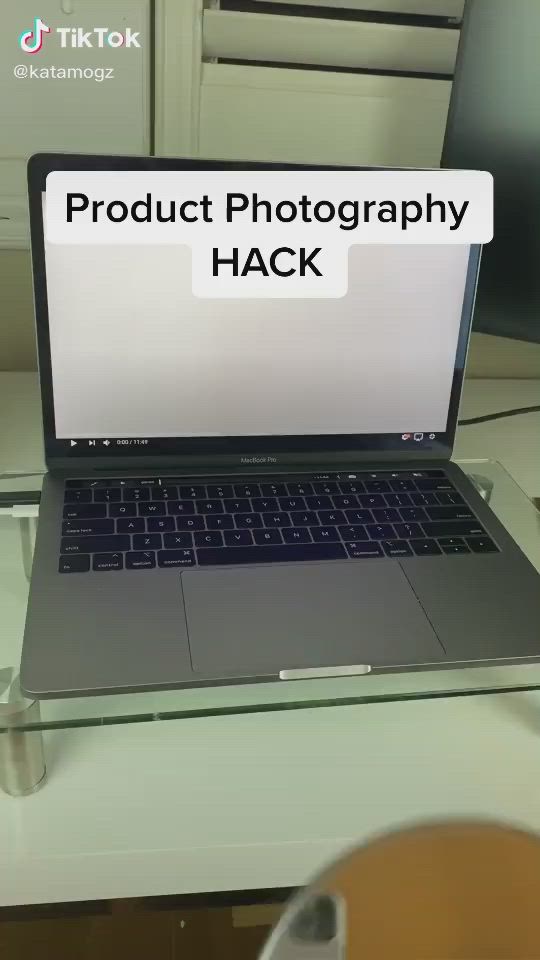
[[248, 520], [273, 490], [424, 499], [295, 534], [268, 536], [176, 558], [299, 489], [247, 490], [75, 511], [263, 504], [396, 548], [331, 517], [385, 514], [482, 545], [107, 561], [276, 519], [359, 516], [123, 510], [450, 513], [323, 534], [353, 533], [380, 531], [135, 493], [364, 550], [209, 506], [177, 541], [160, 524], [140, 560], [398, 499], [451, 541], [327, 487], [85, 528], [237, 506], [106, 494], [131, 525], [111, 544], [370, 500], [319, 503], [190, 523], [453, 547], [409, 514], [377, 486], [432, 483], [425, 548], [408, 531], [220, 491], [449, 499], [192, 493], [402, 485], [209, 538], [241, 538], [292, 503], [78, 496], [354, 486], [345, 501], [223, 521], [304, 518], [152, 509], [165, 493], [75, 564], [286, 553], [147, 541], [453, 528], [178, 507]]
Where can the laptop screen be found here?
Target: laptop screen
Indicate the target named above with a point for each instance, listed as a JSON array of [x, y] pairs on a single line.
[[136, 355]]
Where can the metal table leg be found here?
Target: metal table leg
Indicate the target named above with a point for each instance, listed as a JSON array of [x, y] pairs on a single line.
[[22, 759], [27, 529]]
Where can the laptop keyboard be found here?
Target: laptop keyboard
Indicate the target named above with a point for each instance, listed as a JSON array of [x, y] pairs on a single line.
[[142, 524]]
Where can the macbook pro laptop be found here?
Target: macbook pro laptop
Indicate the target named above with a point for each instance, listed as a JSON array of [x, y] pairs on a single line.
[[244, 490]]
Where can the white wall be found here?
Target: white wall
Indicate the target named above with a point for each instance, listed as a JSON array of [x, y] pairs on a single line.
[[77, 115]]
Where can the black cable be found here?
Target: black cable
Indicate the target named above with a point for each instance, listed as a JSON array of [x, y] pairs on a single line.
[[516, 412]]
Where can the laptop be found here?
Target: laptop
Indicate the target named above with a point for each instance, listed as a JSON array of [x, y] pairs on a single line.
[[254, 490]]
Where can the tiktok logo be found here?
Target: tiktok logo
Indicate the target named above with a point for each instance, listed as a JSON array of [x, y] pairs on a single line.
[[31, 41]]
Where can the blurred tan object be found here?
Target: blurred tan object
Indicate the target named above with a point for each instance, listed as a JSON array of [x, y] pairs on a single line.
[[456, 891]]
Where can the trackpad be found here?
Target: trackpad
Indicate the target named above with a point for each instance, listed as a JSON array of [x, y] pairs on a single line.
[[249, 620]]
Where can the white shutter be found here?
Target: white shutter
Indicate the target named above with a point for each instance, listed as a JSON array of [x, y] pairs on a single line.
[[260, 113], [426, 8], [315, 41], [356, 82]]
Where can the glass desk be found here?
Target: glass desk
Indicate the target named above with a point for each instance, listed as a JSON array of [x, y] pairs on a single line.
[[21, 722]]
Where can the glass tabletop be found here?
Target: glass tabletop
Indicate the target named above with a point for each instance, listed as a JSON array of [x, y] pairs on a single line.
[[513, 508]]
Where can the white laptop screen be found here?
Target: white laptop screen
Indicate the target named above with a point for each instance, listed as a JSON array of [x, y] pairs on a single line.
[[135, 354]]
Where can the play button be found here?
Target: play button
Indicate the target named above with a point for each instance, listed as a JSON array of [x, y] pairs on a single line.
[[73, 443]]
